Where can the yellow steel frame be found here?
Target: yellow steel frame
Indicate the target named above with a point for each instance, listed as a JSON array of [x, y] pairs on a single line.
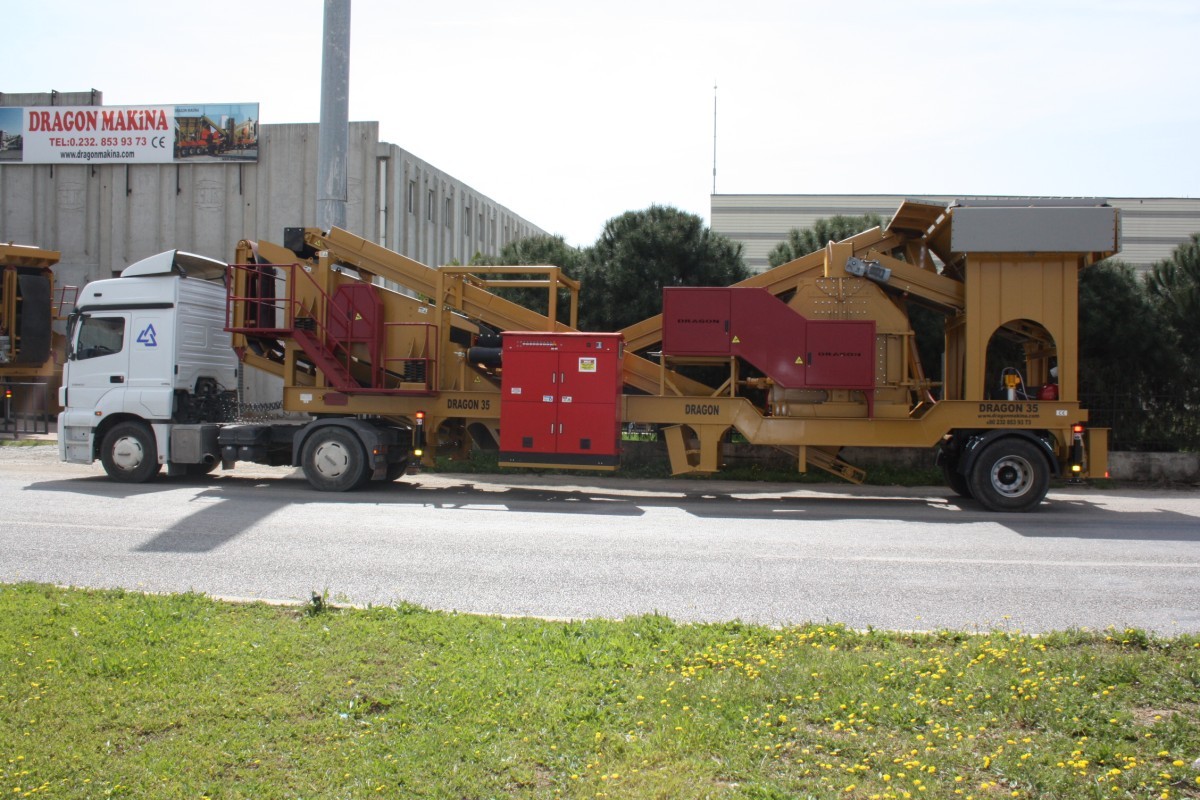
[[1033, 296], [13, 255]]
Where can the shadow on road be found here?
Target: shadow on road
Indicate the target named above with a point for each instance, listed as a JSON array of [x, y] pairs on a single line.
[[228, 505]]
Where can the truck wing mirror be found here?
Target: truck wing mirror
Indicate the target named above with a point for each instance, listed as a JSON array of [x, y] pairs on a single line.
[[72, 322]]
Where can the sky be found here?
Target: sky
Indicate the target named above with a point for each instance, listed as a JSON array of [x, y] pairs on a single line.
[[571, 113]]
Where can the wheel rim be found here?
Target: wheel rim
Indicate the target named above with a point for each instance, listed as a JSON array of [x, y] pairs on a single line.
[[331, 459], [1012, 476], [127, 453]]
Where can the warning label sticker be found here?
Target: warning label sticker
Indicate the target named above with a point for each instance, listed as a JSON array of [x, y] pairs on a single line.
[[587, 364]]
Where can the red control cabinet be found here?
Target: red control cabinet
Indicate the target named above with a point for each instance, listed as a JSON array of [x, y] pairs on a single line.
[[562, 399]]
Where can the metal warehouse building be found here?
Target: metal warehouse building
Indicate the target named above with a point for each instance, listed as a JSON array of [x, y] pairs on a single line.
[[1151, 227], [104, 217]]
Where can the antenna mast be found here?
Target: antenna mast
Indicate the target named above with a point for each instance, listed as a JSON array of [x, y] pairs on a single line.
[[714, 191]]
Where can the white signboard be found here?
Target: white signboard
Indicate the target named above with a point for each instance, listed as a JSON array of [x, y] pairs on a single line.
[[129, 134]]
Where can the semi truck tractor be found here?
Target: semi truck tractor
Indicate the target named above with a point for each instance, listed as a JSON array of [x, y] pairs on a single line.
[[151, 382]]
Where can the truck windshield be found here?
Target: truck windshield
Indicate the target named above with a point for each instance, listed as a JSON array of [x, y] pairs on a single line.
[[99, 336]]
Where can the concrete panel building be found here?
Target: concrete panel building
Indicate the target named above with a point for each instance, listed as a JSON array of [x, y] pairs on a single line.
[[104, 217], [1151, 226]]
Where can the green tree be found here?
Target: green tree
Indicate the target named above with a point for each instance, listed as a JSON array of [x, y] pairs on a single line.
[[641, 252], [537, 251], [1129, 358], [1116, 321], [802, 241], [1173, 290], [1173, 285]]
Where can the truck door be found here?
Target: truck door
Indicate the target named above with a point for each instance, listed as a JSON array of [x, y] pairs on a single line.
[[151, 363], [99, 362]]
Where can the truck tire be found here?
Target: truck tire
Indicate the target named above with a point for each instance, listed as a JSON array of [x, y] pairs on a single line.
[[1010, 475], [396, 470], [957, 482], [334, 461], [129, 453]]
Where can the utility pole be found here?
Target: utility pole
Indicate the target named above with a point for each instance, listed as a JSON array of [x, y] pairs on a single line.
[[334, 130]]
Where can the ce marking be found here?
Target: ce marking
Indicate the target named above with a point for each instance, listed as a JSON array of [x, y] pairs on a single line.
[[158, 142]]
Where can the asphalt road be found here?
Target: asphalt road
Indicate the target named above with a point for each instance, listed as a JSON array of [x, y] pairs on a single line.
[[556, 547]]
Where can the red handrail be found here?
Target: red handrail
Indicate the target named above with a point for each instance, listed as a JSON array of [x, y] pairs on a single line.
[[285, 319]]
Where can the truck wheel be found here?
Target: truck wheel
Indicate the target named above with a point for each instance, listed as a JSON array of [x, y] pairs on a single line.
[[396, 470], [129, 453], [334, 461], [957, 482], [1010, 475]]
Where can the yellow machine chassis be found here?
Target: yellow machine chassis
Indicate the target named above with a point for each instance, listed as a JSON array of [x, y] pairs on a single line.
[[1029, 296]]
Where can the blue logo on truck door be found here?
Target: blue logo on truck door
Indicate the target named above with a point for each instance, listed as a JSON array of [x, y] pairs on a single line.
[[148, 337]]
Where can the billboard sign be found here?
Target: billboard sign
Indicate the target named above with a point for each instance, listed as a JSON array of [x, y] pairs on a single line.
[[179, 134]]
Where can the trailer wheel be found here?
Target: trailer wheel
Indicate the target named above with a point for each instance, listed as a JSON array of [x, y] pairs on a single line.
[[129, 453], [334, 461], [396, 470], [1010, 475]]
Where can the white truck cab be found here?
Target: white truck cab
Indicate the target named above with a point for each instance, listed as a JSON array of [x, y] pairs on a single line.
[[149, 360], [151, 380]]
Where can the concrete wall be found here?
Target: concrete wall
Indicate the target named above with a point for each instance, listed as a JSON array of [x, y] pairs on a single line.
[[1155, 467], [1151, 227], [1176, 468], [105, 217], [436, 219]]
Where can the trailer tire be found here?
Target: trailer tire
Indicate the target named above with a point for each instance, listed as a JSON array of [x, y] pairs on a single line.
[[334, 461], [1010, 475], [129, 453]]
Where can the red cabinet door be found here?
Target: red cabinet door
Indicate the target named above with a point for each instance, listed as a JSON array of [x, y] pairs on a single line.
[[529, 428], [531, 376], [587, 429], [529, 414], [589, 371], [695, 321], [841, 354]]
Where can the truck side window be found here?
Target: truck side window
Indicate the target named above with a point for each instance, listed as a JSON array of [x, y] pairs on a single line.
[[100, 336]]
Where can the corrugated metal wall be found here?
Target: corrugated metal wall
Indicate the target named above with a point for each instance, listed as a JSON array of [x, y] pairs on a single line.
[[1150, 227]]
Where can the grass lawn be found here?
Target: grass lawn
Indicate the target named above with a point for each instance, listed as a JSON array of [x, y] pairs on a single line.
[[115, 694]]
